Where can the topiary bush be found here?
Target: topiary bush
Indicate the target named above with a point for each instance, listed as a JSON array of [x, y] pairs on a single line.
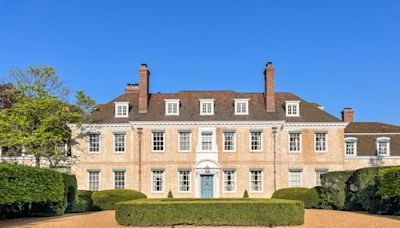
[[106, 199], [336, 183], [170, 196], [308, 196], [245, 194], [210, 212]]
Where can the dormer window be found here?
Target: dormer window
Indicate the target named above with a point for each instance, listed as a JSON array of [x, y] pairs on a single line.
[[206, 106], [121, 109], [293, 108], [383, 146], [350, 144], [241, 106], [172, 107]]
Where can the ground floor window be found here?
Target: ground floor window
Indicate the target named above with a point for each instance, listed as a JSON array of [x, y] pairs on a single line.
[[94, 180], [318, 173], [295, 178], [184, 180], [158, 180], [119, 179], [256, 180], [229, 180]]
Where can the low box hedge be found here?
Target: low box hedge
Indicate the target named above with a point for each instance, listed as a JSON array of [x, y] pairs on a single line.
[[106, 199], [307, 195], [213, 212]]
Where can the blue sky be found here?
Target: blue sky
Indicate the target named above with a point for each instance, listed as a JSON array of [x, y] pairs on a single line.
[[336, 53]]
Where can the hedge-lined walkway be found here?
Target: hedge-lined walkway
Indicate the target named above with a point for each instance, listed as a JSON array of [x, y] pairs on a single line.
[[313, 218]]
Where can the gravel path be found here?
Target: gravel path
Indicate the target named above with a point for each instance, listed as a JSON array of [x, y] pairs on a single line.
[[314, 218]]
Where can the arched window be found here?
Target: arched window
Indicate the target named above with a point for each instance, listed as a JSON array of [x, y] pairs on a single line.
[[350, 146], [383, 146]]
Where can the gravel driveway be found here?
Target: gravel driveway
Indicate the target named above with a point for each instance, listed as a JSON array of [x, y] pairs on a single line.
[[314, 218]]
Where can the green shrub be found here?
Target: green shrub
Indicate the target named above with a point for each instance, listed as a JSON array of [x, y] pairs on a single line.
[[105, 200], [389, 181], [327, 198], [336, 182], [245, 194], [212, 212], [170, 196], [30, 191], [308, 196], [70, 191], [83, 202]]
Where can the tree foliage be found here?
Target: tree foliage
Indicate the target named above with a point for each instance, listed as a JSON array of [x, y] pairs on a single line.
[[38, 120]]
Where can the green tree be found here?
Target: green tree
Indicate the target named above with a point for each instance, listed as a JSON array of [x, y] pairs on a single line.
[[38, 120]]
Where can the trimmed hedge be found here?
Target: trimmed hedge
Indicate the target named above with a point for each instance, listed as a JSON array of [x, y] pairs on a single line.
[[327, 198], [83, 202], [308, 196], [213, 212], [70, 191], [106, 199], [389, 181], [334, 184]]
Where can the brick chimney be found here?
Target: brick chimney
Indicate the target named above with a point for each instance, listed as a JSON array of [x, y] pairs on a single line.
[[269, 93], [143, 88], [348, 115]]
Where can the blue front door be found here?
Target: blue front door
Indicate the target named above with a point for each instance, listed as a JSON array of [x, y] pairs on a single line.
[[207, 187]]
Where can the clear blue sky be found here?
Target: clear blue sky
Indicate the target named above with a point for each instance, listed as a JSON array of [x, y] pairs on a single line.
[[337, 53]]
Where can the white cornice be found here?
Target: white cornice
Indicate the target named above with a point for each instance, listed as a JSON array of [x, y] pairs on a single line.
[[371, 133], [371, 157], [207, 123], [95, 126], [316, 125]]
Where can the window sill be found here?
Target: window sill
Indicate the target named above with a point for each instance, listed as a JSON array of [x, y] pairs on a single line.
[[158, 151], [184, 151], [294, 152], [321, 152]]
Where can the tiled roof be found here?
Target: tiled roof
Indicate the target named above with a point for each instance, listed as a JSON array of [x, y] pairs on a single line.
[[371, 127], [223, 108]]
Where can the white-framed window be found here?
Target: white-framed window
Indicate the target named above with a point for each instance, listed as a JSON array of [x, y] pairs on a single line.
[[321, 142], [229, 180], [241, 106], [206, 106], [383, 146], [171, 107], [256, 180], [119, 141], [256, 140], [94, 180], [292, 108], [184, 180], [158, 141], [94, 142], [158, 182], [121, 109], [295, 178], [229, 141], [185, 141], [318, 173], [206, 140], [350, 146], [119, 179], [295, 142], [61, 147]]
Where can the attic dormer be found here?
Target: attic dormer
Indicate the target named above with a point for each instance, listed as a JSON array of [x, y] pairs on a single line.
[[292, 108], [121, 109]]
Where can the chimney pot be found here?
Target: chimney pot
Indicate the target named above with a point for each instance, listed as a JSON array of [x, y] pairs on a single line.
[[348, 115]]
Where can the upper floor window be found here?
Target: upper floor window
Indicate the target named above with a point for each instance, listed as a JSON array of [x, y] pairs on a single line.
[[256, 180], [293, 108], [119, 179], [121, 109], [255, 140], [119, 141], [185, 141], [229, 141], [321, 142], [294, 142], [383, 146], [171, 107], [295, 178], [94, 142], [158, 141], [206, 140], [241, 106], [350, 146], [206, 106]]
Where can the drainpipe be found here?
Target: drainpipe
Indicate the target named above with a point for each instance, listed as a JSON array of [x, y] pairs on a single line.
[[140, 158], [274, 130]]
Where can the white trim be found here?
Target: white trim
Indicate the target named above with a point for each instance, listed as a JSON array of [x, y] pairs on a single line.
[[371, 133], [373, 157], [190, 182], [174, 124], [121, 104], [262, 182], [301, 143], [172, 101], [88, 179], [350, 139], [234, 143], [125, 179], [119, 152], [214, 147], [204, 101], [152, 142], [190, 143], [262, 143], [292, 103], [223, 181], [242, 100], [384, 140], [326, 142], [314, 125], [301, 178], [163, 183], [93, 152]]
